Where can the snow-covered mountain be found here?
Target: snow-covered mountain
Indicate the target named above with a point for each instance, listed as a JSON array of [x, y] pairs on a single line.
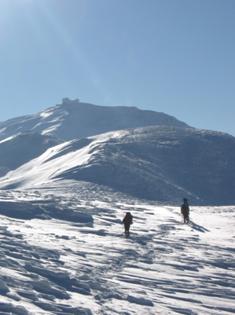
[[62, 246], [158, 163], [74, 119], [24, 138]]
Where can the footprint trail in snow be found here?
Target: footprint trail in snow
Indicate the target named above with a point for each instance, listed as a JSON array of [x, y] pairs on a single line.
[[67, 254]]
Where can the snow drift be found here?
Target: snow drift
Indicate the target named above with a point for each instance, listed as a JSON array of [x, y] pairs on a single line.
[[64, 266]]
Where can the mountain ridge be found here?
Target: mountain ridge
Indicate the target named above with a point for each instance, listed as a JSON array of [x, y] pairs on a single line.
[[74, 119], [156, 163]]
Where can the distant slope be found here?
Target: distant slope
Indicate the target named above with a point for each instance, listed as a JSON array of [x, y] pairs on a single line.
[[73, 119], [19, 149], [159, 163]]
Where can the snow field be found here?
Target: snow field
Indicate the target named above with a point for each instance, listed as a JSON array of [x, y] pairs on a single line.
[[57, 262]]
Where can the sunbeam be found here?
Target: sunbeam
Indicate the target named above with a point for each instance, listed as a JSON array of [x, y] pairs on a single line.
[[73, 46]]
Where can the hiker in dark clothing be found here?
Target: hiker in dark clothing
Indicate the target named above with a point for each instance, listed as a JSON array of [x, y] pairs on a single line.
[[127, 221], [185, 210]]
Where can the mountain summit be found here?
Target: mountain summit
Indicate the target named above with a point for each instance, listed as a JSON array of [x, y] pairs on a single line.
[[74, 119]]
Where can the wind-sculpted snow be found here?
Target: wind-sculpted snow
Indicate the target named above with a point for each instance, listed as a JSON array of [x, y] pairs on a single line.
[[22, 148], [51, 265], [156, 163]]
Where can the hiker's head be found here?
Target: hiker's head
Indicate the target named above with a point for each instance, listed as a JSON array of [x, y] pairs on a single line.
[[185, 200]]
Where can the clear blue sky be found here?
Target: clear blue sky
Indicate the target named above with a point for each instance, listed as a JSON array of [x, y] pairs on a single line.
[[174, 56]]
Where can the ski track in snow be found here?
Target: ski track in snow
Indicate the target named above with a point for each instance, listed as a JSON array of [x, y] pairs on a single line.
[[71, 257]]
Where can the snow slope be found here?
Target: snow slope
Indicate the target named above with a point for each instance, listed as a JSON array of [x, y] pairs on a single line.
[[159, 163], [57, 161], [21, 148], [73, 119], [69, 255]]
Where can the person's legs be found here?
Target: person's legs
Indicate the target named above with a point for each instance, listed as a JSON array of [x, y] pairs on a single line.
[[127, 228]]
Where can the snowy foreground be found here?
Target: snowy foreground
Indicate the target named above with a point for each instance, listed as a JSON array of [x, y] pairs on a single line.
[[62, 251]]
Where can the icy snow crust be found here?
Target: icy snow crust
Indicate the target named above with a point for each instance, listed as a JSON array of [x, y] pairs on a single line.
[[62, 251]]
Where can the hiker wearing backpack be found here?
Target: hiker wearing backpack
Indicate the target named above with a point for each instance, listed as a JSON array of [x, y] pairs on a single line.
[[127, 221], [185, 210]]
